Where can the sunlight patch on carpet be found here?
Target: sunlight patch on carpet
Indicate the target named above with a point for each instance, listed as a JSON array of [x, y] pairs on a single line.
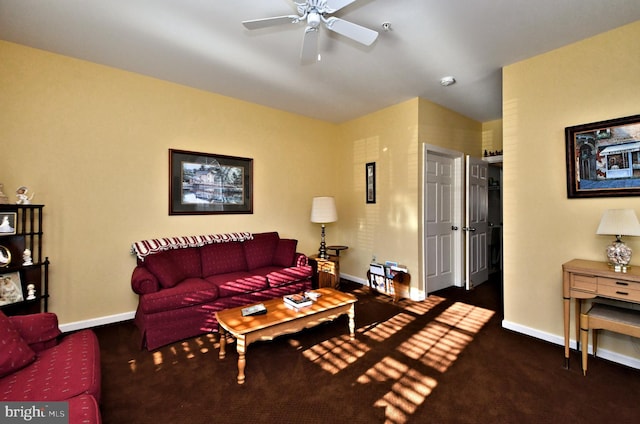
[[187, 349], [421, 308], [465, 317], [441, 341], [336, 354], [380, 332], [409, 390]]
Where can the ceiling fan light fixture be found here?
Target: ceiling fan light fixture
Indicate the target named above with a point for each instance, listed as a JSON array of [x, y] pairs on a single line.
[[315, 12], [313, 19], [447, 81]]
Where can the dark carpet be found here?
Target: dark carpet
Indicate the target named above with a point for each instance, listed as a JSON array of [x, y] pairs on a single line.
[[445, 360]]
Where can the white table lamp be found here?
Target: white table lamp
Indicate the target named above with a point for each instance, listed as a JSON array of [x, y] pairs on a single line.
[[619, 222], [323, 211]]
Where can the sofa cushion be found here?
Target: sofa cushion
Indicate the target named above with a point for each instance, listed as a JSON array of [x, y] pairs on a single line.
[[190, 292], [237, 283], [285, 252], [222, 258], [15, 353], [260, 250], [39, 330], [84, 409], [173, 266], [69, 369], [284, 276]]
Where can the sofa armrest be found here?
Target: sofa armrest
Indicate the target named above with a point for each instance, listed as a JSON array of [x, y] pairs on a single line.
[[143, 281], [301, 259], [40, 330]]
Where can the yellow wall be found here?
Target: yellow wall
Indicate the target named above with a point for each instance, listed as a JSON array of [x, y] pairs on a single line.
[[592, 80], [92, 143], [492, 136], [391, 228], [386, 229], [444, 128]]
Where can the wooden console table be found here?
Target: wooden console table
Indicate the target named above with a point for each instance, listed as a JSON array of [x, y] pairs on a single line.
[[582, 279]]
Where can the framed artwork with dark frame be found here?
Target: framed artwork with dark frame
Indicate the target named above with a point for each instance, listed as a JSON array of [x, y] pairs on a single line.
[[370, 171], [7, 223], [603, 158], [204, 183]]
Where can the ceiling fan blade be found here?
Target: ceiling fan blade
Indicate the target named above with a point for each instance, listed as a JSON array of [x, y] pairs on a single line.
[[335, 5], [309, 53], [269, 22], [356, 32]]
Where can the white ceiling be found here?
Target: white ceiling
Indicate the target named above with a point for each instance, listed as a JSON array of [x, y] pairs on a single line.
[[202, 44]]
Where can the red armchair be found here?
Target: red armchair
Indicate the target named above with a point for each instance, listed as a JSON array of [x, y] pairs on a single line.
[[39, 364]]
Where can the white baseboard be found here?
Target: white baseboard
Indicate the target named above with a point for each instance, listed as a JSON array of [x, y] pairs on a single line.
[[559, 340], [96, 322], [113, 319]]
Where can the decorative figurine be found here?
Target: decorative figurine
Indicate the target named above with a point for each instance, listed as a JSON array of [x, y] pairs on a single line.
[[23, 196], [26, 257], [3, 197], [31, 291]]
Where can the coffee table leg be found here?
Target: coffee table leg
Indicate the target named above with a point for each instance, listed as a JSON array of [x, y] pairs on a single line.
[[223, 342], [241, 359], [352, 321]]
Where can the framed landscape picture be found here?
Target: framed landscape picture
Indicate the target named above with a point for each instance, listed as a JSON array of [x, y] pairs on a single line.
[[603, 158], [203, 183]]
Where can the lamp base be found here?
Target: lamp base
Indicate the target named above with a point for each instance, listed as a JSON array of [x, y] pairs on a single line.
[[322, 252], [619, 255]]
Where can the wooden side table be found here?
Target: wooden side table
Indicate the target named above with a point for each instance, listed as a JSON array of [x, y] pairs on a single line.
[[326, 272], [337, 249]]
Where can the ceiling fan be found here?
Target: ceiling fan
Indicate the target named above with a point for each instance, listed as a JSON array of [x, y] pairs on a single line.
[[314, 12]]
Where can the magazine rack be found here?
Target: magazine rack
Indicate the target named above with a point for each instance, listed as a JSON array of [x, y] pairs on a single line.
[[390, 281]]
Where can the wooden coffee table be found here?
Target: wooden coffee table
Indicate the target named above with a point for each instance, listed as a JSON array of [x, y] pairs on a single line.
[[280, 319]]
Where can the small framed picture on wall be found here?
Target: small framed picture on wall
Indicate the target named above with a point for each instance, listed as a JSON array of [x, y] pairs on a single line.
[[370, 171]]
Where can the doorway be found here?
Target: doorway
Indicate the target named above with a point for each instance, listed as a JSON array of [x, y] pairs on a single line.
[[443, 218], [456, 230]]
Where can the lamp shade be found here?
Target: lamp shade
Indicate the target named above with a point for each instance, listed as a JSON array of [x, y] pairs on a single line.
[[323, 210], [619, 222]]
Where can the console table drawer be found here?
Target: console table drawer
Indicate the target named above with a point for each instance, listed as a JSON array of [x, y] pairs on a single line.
[[623, 290], [586, 283]]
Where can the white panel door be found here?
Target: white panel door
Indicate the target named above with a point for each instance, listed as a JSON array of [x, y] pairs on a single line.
[[476, 222], [440, 222]]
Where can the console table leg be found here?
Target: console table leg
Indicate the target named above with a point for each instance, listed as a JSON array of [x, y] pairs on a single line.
[[566, 306]]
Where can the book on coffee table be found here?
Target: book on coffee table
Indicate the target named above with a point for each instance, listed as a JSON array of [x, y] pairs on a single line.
[[297, 300]]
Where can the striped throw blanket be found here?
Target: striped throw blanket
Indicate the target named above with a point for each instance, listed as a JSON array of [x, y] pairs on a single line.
[[145, 248]]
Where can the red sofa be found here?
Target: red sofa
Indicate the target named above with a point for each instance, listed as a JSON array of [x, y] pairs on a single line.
[[38, 364], [180, 289]]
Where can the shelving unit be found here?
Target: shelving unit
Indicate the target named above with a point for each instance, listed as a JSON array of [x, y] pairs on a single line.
[[25, 232]]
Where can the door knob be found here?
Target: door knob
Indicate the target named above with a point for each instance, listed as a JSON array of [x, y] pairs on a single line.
[[468, 229], [454, 227]]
